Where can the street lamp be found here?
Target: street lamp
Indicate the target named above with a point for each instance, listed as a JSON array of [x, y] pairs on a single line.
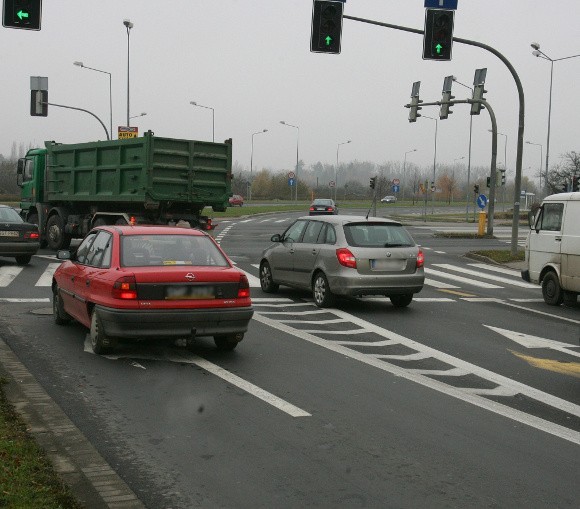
[[128, 26], [252, 160], [405, 171], [140, 115], [80, 64], [297, 141], [539, 53], [467, 199], [434, 161], [193, 103], [541, 159], [336, 169]]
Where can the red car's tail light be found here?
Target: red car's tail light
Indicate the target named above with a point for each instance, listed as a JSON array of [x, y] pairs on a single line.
[[244, 287], [31, 235], [420, 259], [346, 258], [125, 288]]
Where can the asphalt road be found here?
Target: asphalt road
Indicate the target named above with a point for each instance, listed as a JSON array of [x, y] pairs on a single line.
[[469, 397]]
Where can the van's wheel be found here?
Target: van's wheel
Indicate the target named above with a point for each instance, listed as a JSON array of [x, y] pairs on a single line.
[[227, 342], [321, 293], [401, 301], [55, 234], [551, 290], [100, 343]]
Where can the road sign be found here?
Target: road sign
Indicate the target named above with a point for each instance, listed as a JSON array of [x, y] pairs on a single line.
[[291, 182], [395, 188], [396, 182], [291, 175], [481, 201], [124, 132], [332, 183], [441, 4]]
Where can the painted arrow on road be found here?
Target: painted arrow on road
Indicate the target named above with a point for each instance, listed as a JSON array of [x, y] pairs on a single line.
[[529, 341]]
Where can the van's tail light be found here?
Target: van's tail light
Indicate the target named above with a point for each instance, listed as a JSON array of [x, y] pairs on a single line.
[[125, 288], [346, 258], [244, 287], [420, 259], [31, 235]]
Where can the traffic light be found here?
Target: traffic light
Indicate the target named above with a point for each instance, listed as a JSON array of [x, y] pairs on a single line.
[[445, 109], [575, 182], [414, 104], [478, 91], [488, 182], [502, 177], [476, 189], [326, 26], [373, 182], [438, 34], [23, 14]]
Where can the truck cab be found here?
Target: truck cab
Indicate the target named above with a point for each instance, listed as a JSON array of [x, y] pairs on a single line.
[[552, 251]]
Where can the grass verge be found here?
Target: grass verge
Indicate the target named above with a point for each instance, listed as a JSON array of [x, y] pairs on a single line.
[[27, 478]]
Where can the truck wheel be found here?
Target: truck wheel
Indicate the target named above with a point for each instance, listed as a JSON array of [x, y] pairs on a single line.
[[551, 290], [100, 343], [55, 234]]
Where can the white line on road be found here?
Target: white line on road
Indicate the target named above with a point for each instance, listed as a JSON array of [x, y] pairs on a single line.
[[8, 299], [460, 279], [493, 277], [46, 278], [7, 274]]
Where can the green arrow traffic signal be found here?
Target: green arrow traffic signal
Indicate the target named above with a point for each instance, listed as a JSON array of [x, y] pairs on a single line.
[[328, 40], [21, 14], [438, 48]]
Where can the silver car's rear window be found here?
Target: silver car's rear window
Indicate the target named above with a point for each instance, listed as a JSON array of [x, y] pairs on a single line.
[[159, 250], [377, 235]]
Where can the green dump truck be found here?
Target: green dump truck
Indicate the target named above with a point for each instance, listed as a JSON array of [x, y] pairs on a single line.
[[68, 189]]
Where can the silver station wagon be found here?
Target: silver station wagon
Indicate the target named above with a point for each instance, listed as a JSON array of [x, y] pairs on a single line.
[[345, 256]]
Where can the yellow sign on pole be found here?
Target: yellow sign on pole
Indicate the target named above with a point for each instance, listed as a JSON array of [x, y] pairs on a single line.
[[124, 132]]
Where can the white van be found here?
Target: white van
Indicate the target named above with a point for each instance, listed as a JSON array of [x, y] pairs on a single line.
[[553, 249]]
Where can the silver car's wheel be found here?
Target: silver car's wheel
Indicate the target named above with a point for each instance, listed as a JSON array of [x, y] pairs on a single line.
[[401, 301], [321, 293], [266, 281]]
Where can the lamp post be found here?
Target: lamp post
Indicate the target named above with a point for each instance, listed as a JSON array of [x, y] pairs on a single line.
[[405, 170], [80, 64], [467, 199], [140, 115], [336, 169], [539, 53], [193, 103], [252, 160], [128, 26], [434, 162], [541, 159], [297, 141]]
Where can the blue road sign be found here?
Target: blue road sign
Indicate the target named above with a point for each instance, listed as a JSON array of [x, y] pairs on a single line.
[[481, 201], [395, 188], [441, 4], [291, 182]]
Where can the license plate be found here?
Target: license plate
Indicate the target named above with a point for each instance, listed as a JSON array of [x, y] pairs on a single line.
[[8, 233], [390, 265], [189, 292]]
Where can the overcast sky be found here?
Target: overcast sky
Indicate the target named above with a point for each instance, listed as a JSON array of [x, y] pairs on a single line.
[[250, 61]]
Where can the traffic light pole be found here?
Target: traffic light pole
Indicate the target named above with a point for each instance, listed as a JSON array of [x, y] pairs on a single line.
[[492, 177], [520, 145], [86, 111]]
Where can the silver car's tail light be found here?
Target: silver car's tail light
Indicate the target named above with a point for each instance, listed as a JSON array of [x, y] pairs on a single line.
[[346, 258], [420, 259]]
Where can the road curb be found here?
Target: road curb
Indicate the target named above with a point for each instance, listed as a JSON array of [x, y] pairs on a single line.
[[91, 479]]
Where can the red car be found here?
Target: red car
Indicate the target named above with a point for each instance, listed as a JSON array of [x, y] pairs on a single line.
[[236, 199], [144, 282]]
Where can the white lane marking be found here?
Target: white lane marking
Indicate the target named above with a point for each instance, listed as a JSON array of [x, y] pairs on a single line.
[[266, 300], [460, 279], [440, 252], [7, 274], [521, 283], [439, 284], [495, 268], [8, 299], [47, 257], [527, 300], [281, 220], [253, 280], [46, 278], [469, 396]]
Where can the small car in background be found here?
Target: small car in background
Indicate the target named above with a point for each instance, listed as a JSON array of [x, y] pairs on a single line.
[[18, 239], [323, 206], [389, 199], [236, 199], [151, 282], [347, 256]]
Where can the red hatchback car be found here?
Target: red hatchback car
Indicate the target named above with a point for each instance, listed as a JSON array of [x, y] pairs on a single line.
[[144, 282]]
